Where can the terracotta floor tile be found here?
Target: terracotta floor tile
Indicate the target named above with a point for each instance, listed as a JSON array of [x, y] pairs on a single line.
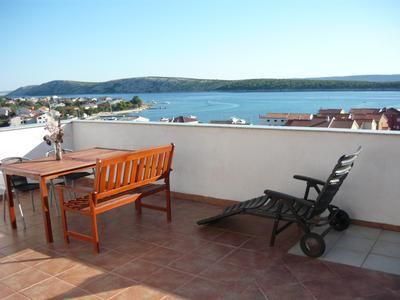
[[54, 288], [313, 270], [5, 291], [162, 256], [335, 288], [252, 292], [383, 296], [9, 266], [81, 274], [16, 296], [236, 277], [142, 292], [137, 270], [295, 259], [207, 233], [186, 244], [386, 281], [252, 259], [56, 265], [167, 279], [25, 278], [135, 248], [173, 296], [192, 264], [107, 285], [256, 244], [151, 235], [32, 257], [179, 260], [204, 289], [275, 276], [213, 251], [288, 292], [231, 238], [109, 260]]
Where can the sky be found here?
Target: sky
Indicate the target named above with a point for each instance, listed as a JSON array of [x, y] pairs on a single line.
[[96, 40]]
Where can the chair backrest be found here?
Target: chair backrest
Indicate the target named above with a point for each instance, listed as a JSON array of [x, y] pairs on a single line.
[[15, 179], [126, 172], [334, 181]]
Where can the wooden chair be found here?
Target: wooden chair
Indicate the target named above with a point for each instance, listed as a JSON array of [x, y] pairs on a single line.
[[121, 180]]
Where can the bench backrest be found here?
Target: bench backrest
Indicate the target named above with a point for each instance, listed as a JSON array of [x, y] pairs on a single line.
[[122, 173], [334, 181]]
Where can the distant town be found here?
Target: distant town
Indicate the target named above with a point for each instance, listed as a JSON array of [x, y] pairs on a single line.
[[355, 118], [36, 110]]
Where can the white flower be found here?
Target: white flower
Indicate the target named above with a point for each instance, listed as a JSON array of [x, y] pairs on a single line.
[[53, 127]]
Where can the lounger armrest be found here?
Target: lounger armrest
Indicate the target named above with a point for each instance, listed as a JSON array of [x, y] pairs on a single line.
[[309, 179], [286, 197]]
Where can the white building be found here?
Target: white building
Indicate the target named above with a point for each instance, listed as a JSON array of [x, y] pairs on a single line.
[[90, 106], [42, 119], [59, 105], [139, 119], [4, 111], [16, 121], [280, 119]]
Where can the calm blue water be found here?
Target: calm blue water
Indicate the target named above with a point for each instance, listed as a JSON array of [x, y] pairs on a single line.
[[218, 106]]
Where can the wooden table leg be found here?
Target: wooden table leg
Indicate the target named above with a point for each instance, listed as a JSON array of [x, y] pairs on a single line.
[[44, 193], [9, 194]]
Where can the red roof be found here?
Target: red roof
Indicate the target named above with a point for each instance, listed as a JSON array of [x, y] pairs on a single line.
[[364, 111], [287, 116], [330, 111], [316, 122], [341, 124]]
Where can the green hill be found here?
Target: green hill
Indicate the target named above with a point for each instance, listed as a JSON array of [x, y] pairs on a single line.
[[174, 84]]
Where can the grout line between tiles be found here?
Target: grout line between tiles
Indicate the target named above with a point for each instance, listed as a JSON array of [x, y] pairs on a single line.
[[370, 250]]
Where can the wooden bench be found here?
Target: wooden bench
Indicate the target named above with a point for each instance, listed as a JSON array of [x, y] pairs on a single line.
[[120, 180]]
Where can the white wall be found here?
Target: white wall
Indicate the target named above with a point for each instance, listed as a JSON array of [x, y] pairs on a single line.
[[240, 162], [27, 141]]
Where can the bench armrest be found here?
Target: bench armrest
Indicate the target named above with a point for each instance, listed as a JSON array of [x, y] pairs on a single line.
[[309, 179], [287, 198]]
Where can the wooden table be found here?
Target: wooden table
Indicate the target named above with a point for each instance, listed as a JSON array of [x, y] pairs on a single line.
[[45, 169]]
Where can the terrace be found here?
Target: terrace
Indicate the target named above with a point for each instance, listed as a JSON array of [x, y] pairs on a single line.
[[144, 257]]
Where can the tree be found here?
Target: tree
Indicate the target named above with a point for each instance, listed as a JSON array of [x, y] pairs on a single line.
[[137, 101]]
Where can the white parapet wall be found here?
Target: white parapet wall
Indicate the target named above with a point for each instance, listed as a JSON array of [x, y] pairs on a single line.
[[240, 162], [27, 141]]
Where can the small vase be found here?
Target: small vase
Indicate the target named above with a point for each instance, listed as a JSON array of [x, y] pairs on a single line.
[[58, 150]]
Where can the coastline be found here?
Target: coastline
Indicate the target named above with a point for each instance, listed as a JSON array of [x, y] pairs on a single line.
[[119, 112], [233, 91]]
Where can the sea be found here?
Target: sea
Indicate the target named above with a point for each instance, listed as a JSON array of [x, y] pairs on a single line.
[[207, 106]]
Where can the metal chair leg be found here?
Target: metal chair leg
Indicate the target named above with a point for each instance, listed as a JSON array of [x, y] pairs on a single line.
[[70, 194], [51, 185], [33, 202], [20, 209], [274, 232], [4, 206], [54, 196], [73, 185]]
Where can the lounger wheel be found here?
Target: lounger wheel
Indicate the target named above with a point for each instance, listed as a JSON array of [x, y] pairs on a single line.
[[341, 221], [312, 244]]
